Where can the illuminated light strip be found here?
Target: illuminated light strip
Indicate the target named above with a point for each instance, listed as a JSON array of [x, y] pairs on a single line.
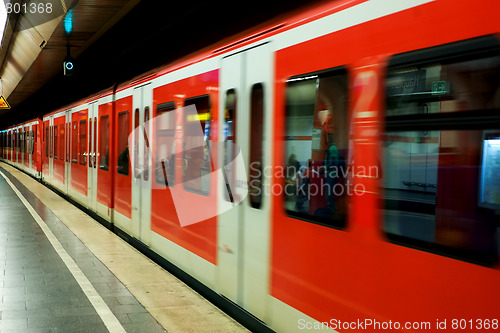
[[102, 309], [200, 117]]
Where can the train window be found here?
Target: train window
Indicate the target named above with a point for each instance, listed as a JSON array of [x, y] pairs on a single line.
[[256, 145], [315, 186], [82, 139], [103, 142], [123, 149], [165, 144], [230, 144], [56, 141], [74, 142], [197, 164], [442, 151]]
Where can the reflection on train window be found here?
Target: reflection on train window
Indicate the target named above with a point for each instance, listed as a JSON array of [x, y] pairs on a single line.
[[74, 142], [61, 142], [123, 151], [104, 143], [229, 135], [165, 144], [82, 137], [316, 139], [255, 179], [442, 156], [196, 155]]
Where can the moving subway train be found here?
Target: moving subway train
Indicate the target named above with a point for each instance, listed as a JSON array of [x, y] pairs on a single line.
[[369, 132]]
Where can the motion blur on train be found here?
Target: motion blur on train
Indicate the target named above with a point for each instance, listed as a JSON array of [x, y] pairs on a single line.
[[364, 139]]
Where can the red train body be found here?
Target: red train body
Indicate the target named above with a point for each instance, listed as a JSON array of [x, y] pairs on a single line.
[[400, 99]]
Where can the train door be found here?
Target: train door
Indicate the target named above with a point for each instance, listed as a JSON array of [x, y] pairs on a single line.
[[50, 139], [67, 153], [92, 156], [141, 163], [243, 231]]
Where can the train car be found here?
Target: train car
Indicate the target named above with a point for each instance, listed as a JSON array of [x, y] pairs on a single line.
[[20, 146], [365, 195], [72, 162]]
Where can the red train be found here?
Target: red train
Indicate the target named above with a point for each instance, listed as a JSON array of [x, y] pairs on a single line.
[[370, 131]]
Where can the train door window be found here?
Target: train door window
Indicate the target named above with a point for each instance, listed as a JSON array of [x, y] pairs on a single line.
[[21, 142], [82, 136], [74, 142], [122, 143], [26, 139], [46, 140], [61, 141], [103, 143], [51, 141], [137, 134], [256, 145], [94, 157], [35, 138], [196, 154], [25, 143], [442, 150], [146, 143], [229, 134], [165, 144], [56, 141], [29, 136], [91, 160], [29, 141], [315, 186]]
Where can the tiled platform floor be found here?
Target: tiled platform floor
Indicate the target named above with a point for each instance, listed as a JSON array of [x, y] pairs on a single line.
[[39, 294]]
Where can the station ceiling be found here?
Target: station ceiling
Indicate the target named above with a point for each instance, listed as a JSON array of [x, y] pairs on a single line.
[[111, 41], [35, 43]]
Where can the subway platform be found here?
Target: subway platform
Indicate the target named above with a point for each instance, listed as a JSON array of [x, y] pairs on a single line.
[[62, 271]]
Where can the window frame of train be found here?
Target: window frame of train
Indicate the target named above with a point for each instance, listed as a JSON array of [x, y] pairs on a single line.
[[329, 209], [458, 226]]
